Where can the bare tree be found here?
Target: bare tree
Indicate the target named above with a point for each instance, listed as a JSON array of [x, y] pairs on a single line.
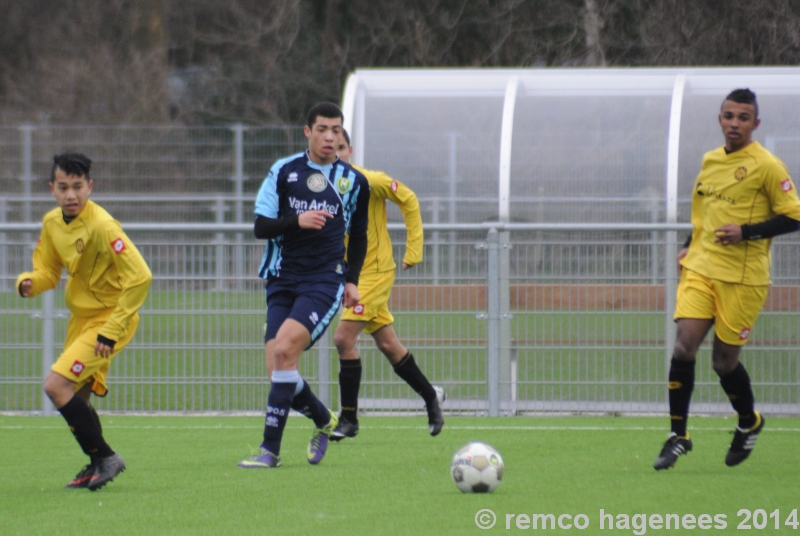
[[220, 61]]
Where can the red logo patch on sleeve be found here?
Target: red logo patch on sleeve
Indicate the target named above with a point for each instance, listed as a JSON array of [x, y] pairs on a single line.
[[394, 186], [786, 185], [118, 245], [77, 368], [358, 309]]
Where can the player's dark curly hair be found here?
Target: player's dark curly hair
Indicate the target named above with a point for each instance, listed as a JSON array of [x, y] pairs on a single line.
[[76, 164], [324, 109], [743, 96]]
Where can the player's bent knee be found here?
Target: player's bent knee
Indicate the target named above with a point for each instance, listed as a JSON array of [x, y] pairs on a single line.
[[58, 389]]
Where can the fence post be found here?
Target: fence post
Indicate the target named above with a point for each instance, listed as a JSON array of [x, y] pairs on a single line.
[[219, 210], [48, 344], [493, 318], [239, 177], [5, 272], [505, 316], [670, 291], [435, 242]]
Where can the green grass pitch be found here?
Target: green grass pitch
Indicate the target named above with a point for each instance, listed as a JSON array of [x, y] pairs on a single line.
[[393, 478]]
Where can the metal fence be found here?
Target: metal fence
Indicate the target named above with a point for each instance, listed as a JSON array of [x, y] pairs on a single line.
[[514, 319]]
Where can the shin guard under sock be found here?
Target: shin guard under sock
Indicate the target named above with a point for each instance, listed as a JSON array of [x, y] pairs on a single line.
[[349, 384], [407, 369], [85, 426], [681, 386], [737, 386]]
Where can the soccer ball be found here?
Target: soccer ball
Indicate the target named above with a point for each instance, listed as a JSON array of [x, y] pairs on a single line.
[[477, 468]]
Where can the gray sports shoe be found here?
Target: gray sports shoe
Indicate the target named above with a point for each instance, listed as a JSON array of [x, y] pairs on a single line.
[[105, 471]]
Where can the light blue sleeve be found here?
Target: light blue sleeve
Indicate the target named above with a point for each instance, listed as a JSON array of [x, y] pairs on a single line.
[[267, 198]]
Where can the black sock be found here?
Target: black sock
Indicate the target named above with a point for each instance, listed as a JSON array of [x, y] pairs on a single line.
[[408, 370], [681, 385], [278, 405], [96, 418], [85, 427], [737, 387], [349, 384], [307, 403]]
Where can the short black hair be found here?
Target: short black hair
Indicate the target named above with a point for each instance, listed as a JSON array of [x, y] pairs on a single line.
[[77, 164], [743, 96], [346, 137], [324, 109]]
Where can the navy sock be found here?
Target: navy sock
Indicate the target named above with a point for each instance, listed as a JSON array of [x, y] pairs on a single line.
[[307, 403], [278, 405], [681, 385], [737, 386], [349, 384], [85, 426]]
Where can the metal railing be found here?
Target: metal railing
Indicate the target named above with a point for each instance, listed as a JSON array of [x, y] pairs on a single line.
[[530, 318]]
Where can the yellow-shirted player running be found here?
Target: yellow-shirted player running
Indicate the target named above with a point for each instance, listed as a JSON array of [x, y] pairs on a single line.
[[742, 198], [107, 282], [372, 314]]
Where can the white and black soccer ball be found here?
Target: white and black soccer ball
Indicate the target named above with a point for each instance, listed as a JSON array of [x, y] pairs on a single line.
[[477, 468]]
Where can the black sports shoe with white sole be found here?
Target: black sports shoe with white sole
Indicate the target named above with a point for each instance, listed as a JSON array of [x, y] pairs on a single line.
[[743, 442], [344, 429], [675, 447]]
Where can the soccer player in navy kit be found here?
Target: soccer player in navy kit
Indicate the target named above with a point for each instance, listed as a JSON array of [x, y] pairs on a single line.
[[305, 206]]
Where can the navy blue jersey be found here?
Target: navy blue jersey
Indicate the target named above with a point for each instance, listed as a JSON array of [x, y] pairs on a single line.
[[295, 185]]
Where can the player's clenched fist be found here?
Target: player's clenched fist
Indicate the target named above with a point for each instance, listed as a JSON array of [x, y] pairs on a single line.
[[25, 288], [313, 219]]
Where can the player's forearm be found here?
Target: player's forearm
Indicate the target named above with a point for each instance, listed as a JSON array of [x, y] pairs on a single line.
[[129, 303], [776, 226], [356, 253], [41, 281], [266, 228]]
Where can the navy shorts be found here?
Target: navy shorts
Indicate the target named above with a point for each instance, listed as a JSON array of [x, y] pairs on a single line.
[[312, 304]]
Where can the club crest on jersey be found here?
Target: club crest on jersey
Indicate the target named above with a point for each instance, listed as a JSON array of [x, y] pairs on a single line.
[[744, 334], [786, 185], [79, 245], [77, 367], [358, 309], [741, 173], [317, 182], [343, 184], [118, 246]]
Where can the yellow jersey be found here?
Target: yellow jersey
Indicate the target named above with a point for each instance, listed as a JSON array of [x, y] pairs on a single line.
[[379, 256], [106, 274], [747, 186]]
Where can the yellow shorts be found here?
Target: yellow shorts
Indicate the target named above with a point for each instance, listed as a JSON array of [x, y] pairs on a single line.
[[733, 307], [77, 362], [374, 290]]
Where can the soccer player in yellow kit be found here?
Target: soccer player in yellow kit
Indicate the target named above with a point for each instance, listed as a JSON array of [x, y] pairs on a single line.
[[742, 198], [107, 282], [371, 314]]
